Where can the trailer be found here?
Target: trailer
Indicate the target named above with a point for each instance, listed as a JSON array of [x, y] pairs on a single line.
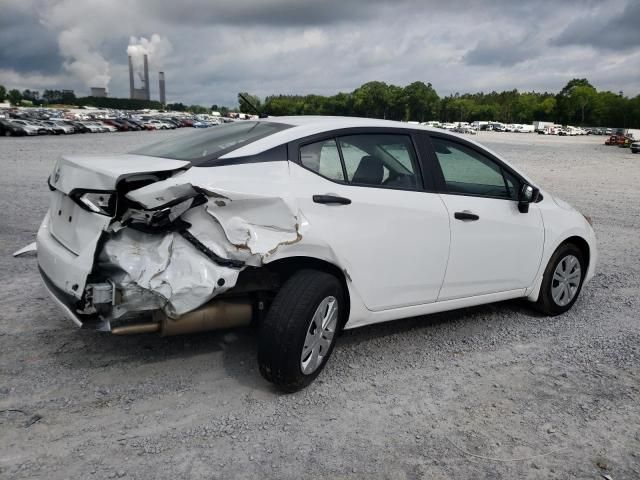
[[633, 133], [539, 125]]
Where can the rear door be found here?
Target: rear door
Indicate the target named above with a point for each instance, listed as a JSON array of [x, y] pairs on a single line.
[[494, 247], [363, 194]]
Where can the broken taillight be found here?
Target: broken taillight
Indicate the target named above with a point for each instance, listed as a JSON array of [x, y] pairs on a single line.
[[102, 202]]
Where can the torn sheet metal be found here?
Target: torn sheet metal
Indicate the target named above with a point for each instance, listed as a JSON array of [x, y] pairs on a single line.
[[180, 278], [28, 249], [258, 224]]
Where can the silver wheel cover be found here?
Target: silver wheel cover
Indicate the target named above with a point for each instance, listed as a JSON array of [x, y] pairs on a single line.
[[566, 280], [320, 333]]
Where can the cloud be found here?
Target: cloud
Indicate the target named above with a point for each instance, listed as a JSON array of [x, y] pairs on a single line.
[[620, 31], [502, 51], [82, 60], [211, 50], [26, 45]]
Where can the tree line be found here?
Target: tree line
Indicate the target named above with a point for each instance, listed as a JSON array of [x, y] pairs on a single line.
[[578, 103]]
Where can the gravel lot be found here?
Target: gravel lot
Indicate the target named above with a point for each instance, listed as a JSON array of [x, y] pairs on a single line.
[[489, 392]]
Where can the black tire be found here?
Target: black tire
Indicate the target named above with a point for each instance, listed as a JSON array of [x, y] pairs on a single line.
[[546, 303], [283, 331]]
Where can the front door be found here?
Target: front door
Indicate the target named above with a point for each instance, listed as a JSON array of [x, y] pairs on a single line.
[[494, 247]]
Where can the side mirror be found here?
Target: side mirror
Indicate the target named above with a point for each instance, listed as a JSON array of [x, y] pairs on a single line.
[[528, 194]]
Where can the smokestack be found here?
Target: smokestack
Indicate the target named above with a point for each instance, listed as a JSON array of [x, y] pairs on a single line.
[[131, 84], [163, 100], [146, 78]]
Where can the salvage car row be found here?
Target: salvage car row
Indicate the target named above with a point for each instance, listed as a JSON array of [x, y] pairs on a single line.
[[14, 127]]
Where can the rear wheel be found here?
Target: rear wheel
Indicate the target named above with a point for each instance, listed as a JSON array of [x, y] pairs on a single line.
[[562, 280], [299, 331]]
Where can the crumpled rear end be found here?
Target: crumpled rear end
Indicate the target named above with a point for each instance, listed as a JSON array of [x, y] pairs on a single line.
[[170, 249]]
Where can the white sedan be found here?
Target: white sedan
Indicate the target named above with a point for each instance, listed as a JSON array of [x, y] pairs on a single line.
[[303, 226]]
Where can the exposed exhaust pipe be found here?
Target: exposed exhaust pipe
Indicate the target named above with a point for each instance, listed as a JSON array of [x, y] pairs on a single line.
[[215, 315]]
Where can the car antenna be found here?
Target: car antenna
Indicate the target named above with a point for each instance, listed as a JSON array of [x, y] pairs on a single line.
[[255, 109]]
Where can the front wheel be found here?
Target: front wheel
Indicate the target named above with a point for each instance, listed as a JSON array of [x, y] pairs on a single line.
[[562, 280], [299, 331]]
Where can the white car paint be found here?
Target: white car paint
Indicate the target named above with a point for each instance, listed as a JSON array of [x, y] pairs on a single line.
[[493, 244], [408, 270], [401, 252]]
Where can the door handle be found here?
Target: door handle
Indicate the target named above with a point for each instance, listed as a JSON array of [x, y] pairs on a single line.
[[331, 200], [466, 215]]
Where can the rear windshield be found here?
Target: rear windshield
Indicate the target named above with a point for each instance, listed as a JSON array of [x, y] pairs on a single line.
[[201, 146]]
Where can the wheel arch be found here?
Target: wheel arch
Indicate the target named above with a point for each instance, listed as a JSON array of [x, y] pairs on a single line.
[[287, 266], [581, 243]]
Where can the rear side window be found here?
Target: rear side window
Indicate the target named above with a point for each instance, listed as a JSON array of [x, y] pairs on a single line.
[[201, 147], [375, 160], [379, 160], [323, 158], [467, 171]]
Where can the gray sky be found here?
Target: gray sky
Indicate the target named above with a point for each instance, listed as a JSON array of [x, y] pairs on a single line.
[[210, 50]]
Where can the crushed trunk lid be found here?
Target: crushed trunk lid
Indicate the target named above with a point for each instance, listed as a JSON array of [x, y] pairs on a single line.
[[103, 172]]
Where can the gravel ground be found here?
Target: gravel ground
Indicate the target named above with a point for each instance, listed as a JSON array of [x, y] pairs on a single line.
[[489, 392]]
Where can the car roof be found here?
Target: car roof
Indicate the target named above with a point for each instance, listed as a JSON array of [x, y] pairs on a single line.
[[307, 125]]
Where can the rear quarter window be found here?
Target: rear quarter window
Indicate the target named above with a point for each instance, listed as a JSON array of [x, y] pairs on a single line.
[[206, 146]]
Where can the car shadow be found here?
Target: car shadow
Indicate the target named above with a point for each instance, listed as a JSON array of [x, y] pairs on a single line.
[[238, 347], [468, 315]]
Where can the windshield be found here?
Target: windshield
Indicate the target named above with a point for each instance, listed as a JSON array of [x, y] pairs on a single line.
[[201, 146]]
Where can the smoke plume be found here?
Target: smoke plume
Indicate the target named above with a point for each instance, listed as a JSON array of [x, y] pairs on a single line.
[[82, 60], [156, 47]]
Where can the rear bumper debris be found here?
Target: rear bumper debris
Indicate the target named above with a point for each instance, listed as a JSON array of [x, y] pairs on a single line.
[[163, 261]]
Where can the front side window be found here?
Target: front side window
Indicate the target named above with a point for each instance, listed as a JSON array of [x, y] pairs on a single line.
[[466, 171]]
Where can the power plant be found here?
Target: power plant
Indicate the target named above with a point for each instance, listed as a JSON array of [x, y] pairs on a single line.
[[163, 99], [139, 93]]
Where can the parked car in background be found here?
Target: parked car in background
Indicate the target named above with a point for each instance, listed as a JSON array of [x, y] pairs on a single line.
[[32, 128], [66, 126], [160, 124], [294, 224], [635, 147], [118, 125], [57, 128], [619, 140], [94, 127], [107, 126], [78, 126], [133, 126], [625, 142], [11, 129]]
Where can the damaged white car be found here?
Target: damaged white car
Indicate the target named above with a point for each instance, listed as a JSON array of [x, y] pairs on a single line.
[[302, 226]]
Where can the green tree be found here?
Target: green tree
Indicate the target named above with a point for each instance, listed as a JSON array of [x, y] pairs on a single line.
[[566, 108], [245, 107], [197, 109], [421, 101], [371, 100], [178, 107], [67, 97], [15, 97], [581, 97], [3, 93]]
